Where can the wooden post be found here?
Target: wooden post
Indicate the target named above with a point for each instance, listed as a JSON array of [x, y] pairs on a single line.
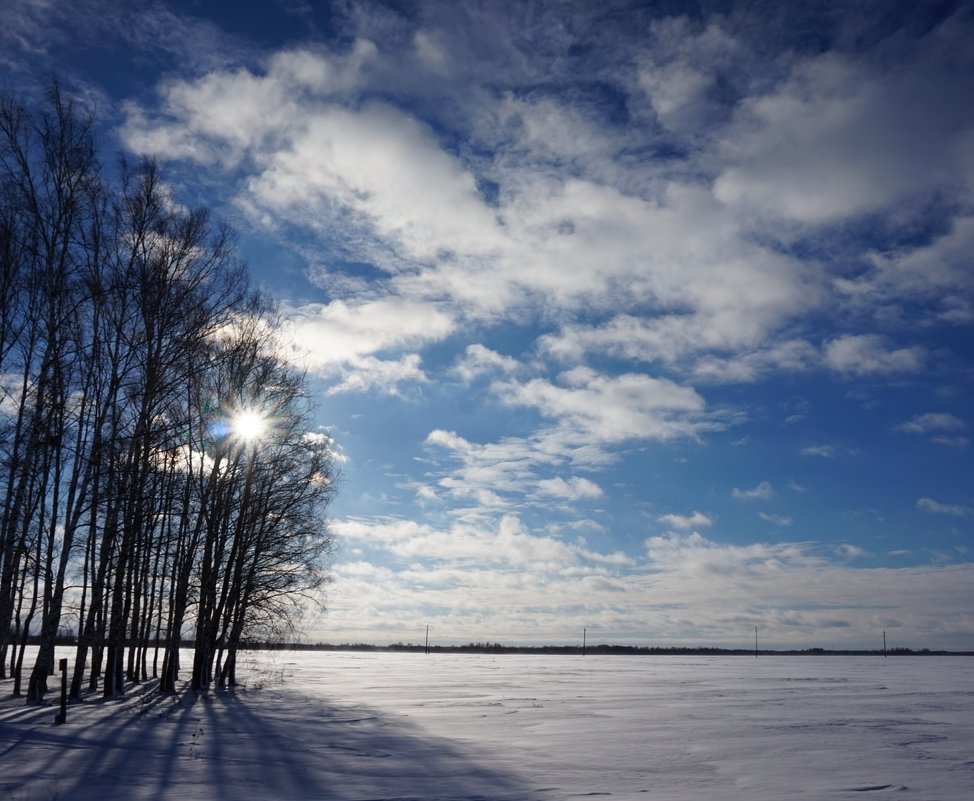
[[755, 642], [884, 643], [62, 716], [584, 636], [427, 639]]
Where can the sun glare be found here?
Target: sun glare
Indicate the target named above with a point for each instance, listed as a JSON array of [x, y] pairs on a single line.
[[249, 425]]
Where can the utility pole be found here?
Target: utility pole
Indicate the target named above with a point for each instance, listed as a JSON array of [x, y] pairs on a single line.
[[427, 639], [755, 642], [584, 635]]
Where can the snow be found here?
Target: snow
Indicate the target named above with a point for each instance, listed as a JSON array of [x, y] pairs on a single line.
[[355, 726]]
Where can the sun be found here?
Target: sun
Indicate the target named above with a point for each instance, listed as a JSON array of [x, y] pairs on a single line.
[[248, 425]]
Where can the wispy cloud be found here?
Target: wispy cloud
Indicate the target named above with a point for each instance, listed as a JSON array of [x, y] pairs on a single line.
[[850, 551], [828, 451], [823, 451], [932, 422], [941, 427], [762, 492], [937, 508]]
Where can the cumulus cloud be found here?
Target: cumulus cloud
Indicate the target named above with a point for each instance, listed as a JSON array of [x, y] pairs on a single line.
[[839, 138], [775, 520], [686, 522], [870, 354], [448, 439], [341, 339], [574, 489], [614, 408], [478, 360]]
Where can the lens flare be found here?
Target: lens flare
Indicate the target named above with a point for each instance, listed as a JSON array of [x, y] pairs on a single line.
[[248, 425]]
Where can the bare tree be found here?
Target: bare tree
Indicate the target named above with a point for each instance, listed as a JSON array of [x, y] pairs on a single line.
[[129, 336]]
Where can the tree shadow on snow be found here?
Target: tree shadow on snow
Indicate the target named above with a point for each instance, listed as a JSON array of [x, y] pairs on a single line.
[[272, 745]]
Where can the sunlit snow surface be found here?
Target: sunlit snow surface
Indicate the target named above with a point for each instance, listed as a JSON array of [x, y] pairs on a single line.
[[408, 726]]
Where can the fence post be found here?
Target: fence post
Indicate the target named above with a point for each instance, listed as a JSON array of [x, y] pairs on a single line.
[[62, 716]]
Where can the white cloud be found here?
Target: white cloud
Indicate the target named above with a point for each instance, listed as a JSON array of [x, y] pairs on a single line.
[[552, 131], [340, 331], [431, 51], [340, 339], [828, 451], [574, 489], [692, 589], [930, 422], [592, 414], [952, 442], [848, 551], [478, 360], [448, 439], [823, 451], [943, 427], [504, 544], [686, 522], [937, 508], [499, 474], [869, 354], [938, 273], [694, 554], [682, 70], [840, 139], [613, 409], [792, 356], [762, 492], [386, 168], [775, 520], [380, 173], [384, 375]]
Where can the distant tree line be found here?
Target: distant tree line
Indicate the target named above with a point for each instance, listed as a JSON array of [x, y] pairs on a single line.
[[602, 649], [133, 511]]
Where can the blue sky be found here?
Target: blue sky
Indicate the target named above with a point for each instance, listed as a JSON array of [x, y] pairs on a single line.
[[649, 318]]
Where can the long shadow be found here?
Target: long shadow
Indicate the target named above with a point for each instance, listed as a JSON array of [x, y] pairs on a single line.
[[88, 756], [271, 745]]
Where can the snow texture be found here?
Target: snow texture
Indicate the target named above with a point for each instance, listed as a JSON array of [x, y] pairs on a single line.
[[356, 726]]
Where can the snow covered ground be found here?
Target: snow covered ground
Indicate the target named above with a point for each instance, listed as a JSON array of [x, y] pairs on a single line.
[[354, 726]]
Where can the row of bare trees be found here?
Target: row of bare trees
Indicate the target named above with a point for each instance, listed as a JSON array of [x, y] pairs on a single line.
[[134, 512]]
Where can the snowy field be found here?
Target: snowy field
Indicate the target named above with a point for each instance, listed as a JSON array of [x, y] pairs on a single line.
[[351, 726]]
